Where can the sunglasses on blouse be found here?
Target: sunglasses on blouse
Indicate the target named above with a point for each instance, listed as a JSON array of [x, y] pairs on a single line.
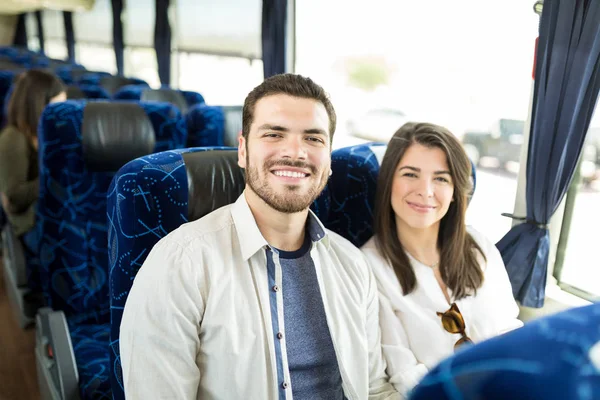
[[453, 322]]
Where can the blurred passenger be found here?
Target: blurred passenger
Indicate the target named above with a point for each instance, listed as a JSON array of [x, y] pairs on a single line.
[[19, 182]]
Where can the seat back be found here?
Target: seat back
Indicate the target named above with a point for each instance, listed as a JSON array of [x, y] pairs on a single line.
[[77, 75], [82, 145], [8, 65], [554, 357], [233, 124], [75, 93], [346, 204], [167, 95], [90, 92], [113, 83], [205, 125], [181, 98], [150, 197]]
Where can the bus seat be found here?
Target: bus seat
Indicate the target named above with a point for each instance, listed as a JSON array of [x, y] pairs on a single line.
[[184, 186], [83, 76], [192, 98], [233, 124], [181, 98], [111, 83], [75, 93], [205, 125], [82, 145], [346, 204], [554, 357], [7, 64], [166, 95], [90, 92], [65, 72]]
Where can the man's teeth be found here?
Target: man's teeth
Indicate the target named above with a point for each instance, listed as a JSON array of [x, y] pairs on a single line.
[[290, 174]]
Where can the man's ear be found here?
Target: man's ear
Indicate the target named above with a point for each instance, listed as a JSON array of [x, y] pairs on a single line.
[[241, 151]]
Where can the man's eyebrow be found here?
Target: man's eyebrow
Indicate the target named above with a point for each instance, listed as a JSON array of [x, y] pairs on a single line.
[[279, 128], [316, 131], [270, 127]]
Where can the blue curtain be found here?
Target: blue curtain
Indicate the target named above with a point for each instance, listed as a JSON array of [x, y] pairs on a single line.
[[162, 41], [117, 11], [69, 35], [20, 39], [567, 82], [274, 17], [40, 27]]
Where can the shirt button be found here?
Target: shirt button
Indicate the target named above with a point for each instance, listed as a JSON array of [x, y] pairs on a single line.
[[284, 385], [276, 288], [279, 335]]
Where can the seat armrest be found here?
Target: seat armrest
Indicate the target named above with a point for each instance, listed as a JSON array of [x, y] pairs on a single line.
[[57, 368]]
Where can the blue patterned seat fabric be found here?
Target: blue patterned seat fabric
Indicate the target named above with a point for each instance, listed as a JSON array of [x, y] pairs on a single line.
[[346, 204], [87, 77], [94, 92], [111, 83], [552, 358], [205, 125], [72, 221], [65, 73], [147, 199], [91, 347]]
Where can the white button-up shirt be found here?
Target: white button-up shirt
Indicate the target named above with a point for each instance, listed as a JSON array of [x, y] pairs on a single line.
[[413, 338], [198, 322]]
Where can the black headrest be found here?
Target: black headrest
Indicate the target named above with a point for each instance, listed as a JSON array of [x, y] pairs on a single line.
[[78, 73], [167, 95], [233, 124], [7, 65], [214, 180], [74, 92], [113, 83], [114, 134]]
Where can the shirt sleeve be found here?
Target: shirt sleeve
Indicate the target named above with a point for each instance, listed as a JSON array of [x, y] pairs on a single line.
[[499, 285], [379, 383], [402, 366], [14, 166], [159, 333], [404, 369]]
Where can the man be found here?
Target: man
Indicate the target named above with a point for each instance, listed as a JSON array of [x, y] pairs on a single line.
[[257, 300]]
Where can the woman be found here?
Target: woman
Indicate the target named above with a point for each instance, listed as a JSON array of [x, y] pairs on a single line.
[[19, 184], [442, 285]]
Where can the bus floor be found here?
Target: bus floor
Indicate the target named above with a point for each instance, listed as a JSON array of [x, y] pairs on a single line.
[[18, 377]]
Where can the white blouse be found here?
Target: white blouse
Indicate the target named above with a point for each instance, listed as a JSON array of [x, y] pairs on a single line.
[[412, 336]]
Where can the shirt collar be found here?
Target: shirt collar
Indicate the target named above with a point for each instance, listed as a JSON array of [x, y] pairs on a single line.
[[251, 239]]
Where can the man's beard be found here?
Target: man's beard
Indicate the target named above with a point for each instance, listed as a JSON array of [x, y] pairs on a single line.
[[292, 201]]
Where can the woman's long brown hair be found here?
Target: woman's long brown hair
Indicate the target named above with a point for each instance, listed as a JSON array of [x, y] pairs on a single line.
[[32, 92], [459, 266]]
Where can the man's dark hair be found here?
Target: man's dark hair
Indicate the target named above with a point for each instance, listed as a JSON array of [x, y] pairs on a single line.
[[292, 85]]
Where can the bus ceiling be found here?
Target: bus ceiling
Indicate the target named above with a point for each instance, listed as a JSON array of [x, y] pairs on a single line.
[[21, 6]]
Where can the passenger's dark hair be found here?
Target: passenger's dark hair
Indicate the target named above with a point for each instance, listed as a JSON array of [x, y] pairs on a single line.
[[32, 92], [459, 266], [292, 85]]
